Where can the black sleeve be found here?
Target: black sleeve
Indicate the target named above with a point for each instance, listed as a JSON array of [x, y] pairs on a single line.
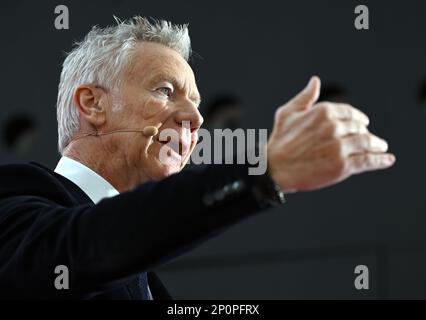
[[133, 232]]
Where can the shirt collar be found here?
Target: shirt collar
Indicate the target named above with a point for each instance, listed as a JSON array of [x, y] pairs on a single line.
[[88, 180]]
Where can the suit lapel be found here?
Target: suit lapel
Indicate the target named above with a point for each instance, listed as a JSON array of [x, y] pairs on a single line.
[[158, 290]]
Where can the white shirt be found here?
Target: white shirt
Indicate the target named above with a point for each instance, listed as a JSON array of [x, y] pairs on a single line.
[[88, 180], [96, 187]]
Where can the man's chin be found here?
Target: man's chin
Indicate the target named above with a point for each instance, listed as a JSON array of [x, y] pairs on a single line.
[[164, 171], [163, 167]]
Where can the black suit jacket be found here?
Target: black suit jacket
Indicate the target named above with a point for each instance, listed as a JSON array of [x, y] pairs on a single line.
[[46, 221]]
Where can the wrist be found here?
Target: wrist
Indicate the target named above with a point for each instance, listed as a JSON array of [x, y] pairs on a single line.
[[266, 191]]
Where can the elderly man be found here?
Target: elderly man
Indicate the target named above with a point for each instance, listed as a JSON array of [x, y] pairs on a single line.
[[112, 211]]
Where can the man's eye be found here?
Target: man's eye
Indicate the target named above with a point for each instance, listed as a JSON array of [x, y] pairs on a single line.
[[165, 91]]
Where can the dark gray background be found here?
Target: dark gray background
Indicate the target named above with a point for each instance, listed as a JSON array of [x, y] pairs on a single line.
[[264, 52]]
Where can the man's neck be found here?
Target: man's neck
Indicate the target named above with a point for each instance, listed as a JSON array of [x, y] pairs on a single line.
[[116, 170]]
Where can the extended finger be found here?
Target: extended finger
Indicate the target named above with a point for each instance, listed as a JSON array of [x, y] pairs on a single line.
[[363, 143], [343, 128], [370, 162], [341, 111]]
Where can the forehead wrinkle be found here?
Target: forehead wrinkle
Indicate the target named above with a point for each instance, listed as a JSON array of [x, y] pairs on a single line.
[[159, 67], [159, 76], [147, 64]]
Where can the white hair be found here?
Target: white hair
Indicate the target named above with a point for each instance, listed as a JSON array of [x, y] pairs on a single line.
[[103, 56]]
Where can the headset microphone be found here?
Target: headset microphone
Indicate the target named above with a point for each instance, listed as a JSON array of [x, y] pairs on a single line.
[[148, 131]]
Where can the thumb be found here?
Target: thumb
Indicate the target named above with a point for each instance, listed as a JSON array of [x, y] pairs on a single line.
[[307, 97]]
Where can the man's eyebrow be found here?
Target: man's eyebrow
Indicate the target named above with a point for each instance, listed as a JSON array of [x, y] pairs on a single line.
[[163, 77], [196, 99]]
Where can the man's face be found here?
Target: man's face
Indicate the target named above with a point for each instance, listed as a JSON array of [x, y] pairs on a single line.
[[159, 90]]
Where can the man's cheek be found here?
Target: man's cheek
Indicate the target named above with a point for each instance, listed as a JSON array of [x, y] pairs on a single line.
[[153, 107]]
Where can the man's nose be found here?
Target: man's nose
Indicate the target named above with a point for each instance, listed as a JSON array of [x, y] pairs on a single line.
[[189, 113]]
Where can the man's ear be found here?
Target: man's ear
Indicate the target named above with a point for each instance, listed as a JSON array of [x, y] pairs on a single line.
[[91, 102]]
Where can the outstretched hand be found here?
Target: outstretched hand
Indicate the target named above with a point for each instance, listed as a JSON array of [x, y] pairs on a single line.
[[314, 145]]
